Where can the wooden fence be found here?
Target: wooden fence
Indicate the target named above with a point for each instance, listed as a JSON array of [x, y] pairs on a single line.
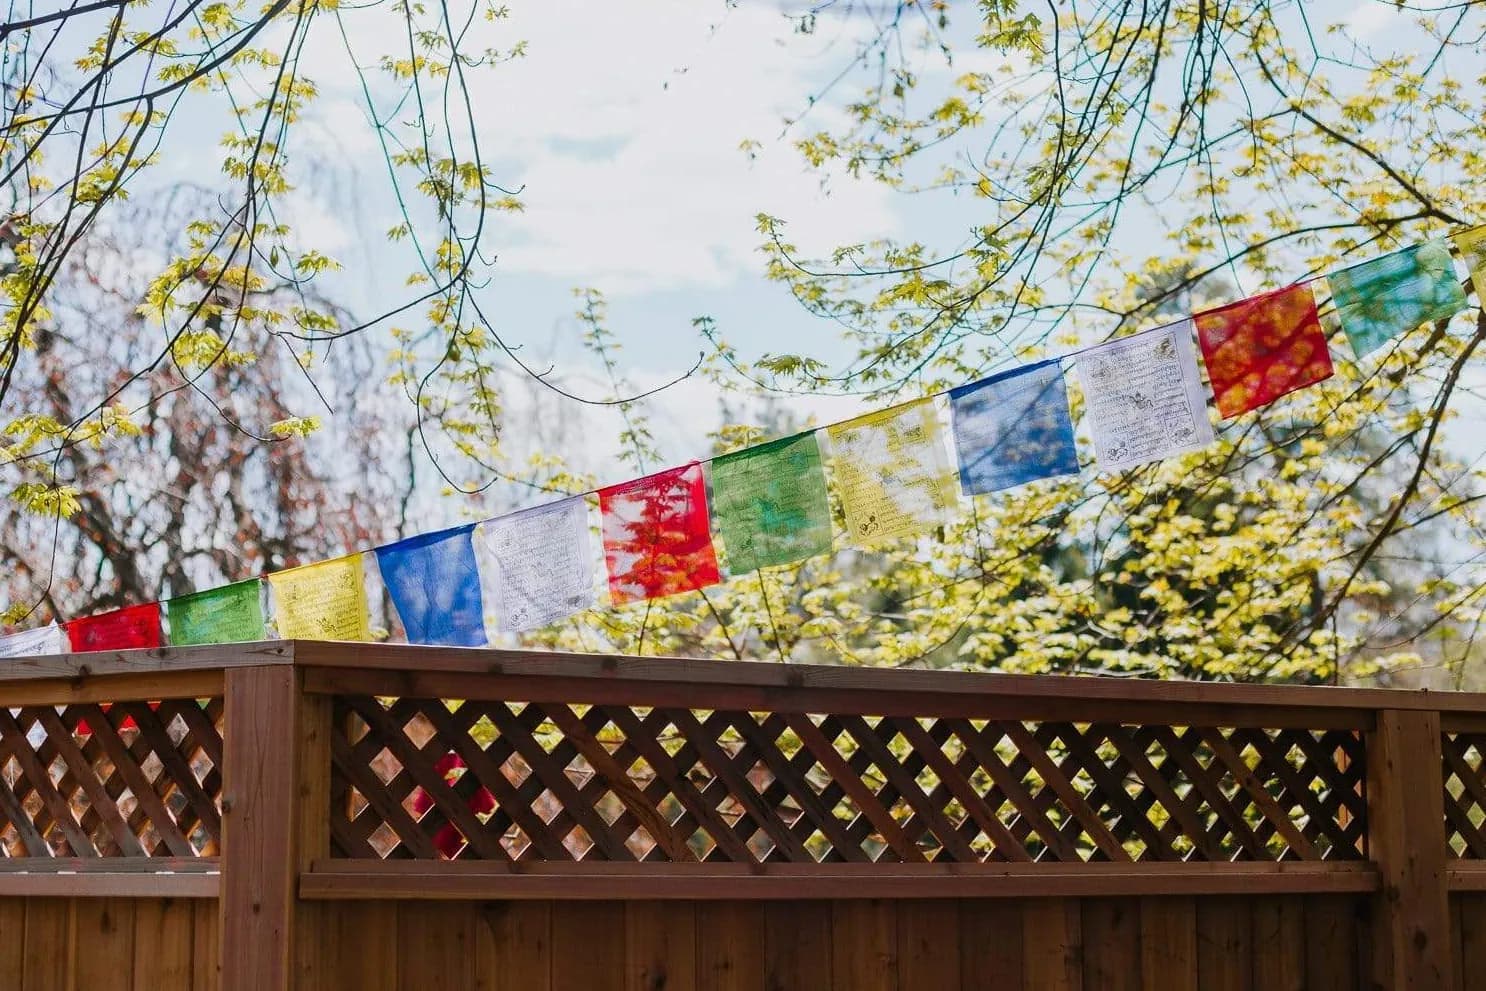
[[274, 816]]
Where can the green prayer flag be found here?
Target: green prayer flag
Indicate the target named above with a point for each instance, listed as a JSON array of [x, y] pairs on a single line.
[[231, 614], [1382, 298], [769, 503]]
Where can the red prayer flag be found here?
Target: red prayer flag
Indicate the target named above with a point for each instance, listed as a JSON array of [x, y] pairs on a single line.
[[122, 629], [1261, 348], [657, 539]]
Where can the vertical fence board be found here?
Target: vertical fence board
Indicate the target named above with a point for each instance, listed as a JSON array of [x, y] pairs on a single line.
[[1470, 912], [660, 946], [12, 941], [362, 947], [436, 950], [1406, 836], [1224, 944], [1052, 945], [929, 937], [105, 944], [864, 945], [1111, 940], [991, 945], [1331, 946], [162, 945], [513, 947], [206, 947], [1279, 944], [797, 946], [1168, 944], [588, 946], [48, 945], [730, 946], [257, 828]]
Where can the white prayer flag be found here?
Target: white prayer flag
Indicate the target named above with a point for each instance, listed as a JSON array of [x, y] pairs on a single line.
[[48, 639], [536, 566], [1144, 398]]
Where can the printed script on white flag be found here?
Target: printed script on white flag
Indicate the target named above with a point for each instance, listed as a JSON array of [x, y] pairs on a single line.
[[32, 643], [1144, 398], [536, 567]]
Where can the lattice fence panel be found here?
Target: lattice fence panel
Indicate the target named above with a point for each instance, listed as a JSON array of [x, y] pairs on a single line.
[[131, 779], [424, 778], [1465, 794]]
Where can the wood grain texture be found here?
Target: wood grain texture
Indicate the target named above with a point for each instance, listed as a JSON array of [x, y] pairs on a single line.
[[206, 946], [1279, 944], [864, 946], [798, 946], [1168, 944], [104, 943], [162, 945], [1225, 944], [513, 946], [1406, 837], [800, 679], [259, 766], [12, 941], [588, 946], [661, 946], [436, 949], [1333, 950], [991, 945], [47, 954], [1111, 942], [1052, 945], [929, 934], [362, 948], [730, 945]]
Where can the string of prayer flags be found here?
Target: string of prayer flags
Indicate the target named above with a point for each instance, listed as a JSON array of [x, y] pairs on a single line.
[[434, 584], [892, 473], [230, 614], [48, 639], [657, 538], [1143, 398], [323, 601], [1472, 247], [1383, 297], [1262, 348], [769, 503], [1013, 428], [536, 566], [130, 628]]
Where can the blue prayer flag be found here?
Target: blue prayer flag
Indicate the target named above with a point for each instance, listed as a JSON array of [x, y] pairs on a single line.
[[1013, 428], [435, 585]]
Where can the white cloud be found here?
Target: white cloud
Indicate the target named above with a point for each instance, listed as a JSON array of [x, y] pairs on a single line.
[[624, 122]]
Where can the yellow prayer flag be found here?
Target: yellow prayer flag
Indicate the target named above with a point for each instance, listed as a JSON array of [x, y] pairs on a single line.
[[892, 472], [1472, 245], [325, 601]]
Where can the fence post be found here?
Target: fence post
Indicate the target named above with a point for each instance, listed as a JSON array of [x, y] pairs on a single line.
[[1406, 838], [274, 820]]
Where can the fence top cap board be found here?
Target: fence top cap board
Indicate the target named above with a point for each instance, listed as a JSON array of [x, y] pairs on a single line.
[[775, 678]]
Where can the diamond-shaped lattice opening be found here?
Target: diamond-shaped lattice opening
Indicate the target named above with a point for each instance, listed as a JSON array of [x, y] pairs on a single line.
[[419, 730], [609, 807], [483, 731], [385, 766], [579, 843]]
